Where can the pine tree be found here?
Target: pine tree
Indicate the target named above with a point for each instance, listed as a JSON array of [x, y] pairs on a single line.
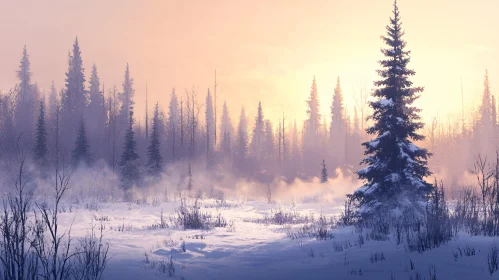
[[226, 132], [210, 128], [311, 140], [338, 126], [268, 141], [41, 149], [173, 123], [324, 177], [53, 102], [129, 158], [126, 97], [256, 142], [75, 97], [81, 150], [242, 139], [96, 113], [154, 161], [396, 167], [314, 118], [26, 100], [484, 132]]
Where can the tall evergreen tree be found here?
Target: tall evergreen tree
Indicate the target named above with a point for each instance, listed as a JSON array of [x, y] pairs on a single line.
[[396, 167], [338, 118], [26, 101], [96, 113], [41, 150], [210, 128], [74, 98], [154, 160], [126, 97], [268, 145], [258, 134], [53, 102], [81, 150], [173, 131], [324, 176], [311, 140], [313, 121], [226, 132], [129, 158], [484, 132], [242, 139]]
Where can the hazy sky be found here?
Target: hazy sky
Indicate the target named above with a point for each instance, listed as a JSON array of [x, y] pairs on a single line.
[[262, 50]]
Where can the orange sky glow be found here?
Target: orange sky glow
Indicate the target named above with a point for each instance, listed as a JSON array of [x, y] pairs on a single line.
[[265, 51]]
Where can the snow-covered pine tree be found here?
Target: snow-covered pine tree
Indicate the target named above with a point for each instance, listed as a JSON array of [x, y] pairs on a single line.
[[129, 158], [324, 176], [81, 150], [154, 160], [41, 150], [394, 177]]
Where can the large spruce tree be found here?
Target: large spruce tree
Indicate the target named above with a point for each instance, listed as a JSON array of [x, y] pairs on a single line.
[[129, 158], [210, 129], [396, 167], [26, 101], [74, 98], [226, 131], [258, 134], [41, 150], [154, 160]]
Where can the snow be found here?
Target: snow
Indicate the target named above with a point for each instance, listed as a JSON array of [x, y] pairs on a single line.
[[385, 102], [258, 251], [413, 148]]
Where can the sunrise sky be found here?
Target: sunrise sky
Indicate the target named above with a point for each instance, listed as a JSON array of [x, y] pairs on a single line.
[[262, 50]]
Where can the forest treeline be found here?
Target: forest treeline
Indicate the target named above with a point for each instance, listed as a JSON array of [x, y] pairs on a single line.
[[97, 124]]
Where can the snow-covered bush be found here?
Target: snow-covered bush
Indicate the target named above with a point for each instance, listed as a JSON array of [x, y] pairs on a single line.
[[189, 216]]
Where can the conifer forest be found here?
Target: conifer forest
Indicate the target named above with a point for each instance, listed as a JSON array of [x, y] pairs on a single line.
[[222, 139]]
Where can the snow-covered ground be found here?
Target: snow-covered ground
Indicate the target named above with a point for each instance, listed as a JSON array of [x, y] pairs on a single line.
[[251, 250]]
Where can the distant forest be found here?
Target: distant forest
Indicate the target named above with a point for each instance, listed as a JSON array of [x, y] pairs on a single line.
[[85, 124]]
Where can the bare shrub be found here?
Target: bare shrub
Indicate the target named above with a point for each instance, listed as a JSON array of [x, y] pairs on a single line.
[[493, 259], [18, 258], [91, 258], [191, 217]]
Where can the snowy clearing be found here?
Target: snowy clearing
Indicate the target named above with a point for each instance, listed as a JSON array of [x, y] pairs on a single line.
[[251, 249]]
